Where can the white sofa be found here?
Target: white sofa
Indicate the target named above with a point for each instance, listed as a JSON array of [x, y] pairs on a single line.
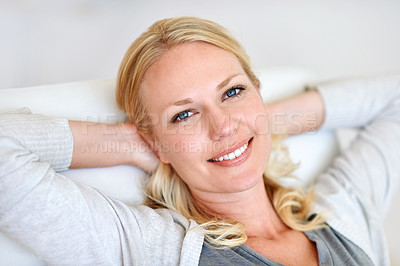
[[94, 101]]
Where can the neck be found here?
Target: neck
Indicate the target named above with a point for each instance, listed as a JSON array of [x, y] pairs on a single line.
[[251, 207]]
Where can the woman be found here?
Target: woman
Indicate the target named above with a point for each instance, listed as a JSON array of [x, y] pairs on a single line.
[[188, 89]]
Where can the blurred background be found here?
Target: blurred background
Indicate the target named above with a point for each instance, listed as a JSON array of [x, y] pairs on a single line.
[[47, 41], [55, 41]]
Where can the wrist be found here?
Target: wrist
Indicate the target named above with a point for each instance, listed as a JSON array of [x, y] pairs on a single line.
[[277, 119], [135, 150]]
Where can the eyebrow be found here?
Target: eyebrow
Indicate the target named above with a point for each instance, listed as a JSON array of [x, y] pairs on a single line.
[[226, 81], [219, 87]]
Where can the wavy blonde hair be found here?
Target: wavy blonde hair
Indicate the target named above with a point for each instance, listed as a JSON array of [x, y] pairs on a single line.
[[165, 189]]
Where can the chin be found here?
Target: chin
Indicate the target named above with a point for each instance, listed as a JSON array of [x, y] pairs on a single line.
[[252, 175], [246, 181]]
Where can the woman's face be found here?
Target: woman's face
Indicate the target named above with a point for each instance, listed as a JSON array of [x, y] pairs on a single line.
[[208, 119]]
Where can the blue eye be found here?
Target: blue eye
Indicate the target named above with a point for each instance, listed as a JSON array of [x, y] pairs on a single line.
[[233, 92], [182, 116]]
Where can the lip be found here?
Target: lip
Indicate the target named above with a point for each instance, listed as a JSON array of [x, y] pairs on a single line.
[[236, 161], [231, 149]]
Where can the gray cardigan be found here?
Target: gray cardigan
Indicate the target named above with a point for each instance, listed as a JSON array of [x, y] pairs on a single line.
[[68, 223]]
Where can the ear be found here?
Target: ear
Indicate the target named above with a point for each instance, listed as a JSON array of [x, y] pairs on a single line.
[[157, 148]]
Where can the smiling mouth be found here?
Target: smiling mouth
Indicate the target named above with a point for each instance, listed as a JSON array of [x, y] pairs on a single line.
[[235, 154]]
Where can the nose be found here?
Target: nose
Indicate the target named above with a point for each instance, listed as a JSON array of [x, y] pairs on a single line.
[[221, 124]]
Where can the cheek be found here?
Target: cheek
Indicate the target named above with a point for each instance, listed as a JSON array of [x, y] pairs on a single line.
[[185, 156], [255, 117], [180, 151]]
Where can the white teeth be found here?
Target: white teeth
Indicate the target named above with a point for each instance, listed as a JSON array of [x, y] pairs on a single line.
[[232, 155], [238, 152]]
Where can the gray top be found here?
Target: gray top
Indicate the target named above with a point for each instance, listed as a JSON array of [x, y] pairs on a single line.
[[333, 249], [68, 223]]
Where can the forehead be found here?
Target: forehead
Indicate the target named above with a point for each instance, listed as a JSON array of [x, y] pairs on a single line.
[[186, 70]]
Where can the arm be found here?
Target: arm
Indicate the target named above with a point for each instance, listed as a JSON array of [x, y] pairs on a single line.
[[369, 104], [359, 185], [355, 191], [369, 168], [38, 206], [296, 115], [68, 223], [101, 145], [94, 144]]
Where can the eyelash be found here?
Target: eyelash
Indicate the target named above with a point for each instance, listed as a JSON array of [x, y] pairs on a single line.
[[240, 88]]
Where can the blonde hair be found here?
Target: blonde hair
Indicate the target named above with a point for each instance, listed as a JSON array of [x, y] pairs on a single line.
[[165, 188]]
